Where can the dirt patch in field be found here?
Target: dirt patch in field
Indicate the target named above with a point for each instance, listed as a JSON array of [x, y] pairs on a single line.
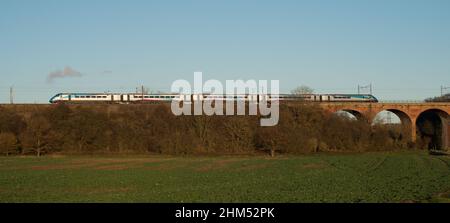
[[166, 166], [57, 156], [252, 167], [119, 166], [99, 164], [118, 160], [218, 164], [59, 166], [314, 166], [277, 158]]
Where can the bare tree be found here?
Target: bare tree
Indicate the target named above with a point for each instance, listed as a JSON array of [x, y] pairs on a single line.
[[443, 98], [37, 135], [303, 89], [8, 142]]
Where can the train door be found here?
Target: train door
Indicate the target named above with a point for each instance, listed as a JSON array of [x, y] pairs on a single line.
[[317, 98], [124, 97]]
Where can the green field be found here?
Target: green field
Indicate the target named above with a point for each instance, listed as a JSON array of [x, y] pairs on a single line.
[[370, 177]]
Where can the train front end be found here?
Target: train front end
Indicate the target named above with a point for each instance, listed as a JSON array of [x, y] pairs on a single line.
[[58, 98]]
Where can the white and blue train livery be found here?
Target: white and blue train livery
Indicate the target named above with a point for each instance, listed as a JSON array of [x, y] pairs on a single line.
[[127, 98]]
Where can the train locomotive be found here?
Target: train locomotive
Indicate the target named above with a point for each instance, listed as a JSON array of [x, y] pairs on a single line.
[[129, 98]]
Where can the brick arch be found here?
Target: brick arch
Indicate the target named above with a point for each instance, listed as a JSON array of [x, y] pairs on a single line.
[[358, 115], [439, 121], [405, 119], [439, 111]]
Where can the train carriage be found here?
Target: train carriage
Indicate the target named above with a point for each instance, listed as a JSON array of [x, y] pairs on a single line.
[[126, 98]]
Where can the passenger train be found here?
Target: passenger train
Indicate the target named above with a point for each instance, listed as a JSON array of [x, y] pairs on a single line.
[[128, 98]]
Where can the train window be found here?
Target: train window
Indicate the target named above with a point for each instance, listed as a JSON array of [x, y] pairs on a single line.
[[104, 96], [76, 96]]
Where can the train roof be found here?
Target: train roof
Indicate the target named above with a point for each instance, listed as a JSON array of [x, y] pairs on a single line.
[[134, 93]]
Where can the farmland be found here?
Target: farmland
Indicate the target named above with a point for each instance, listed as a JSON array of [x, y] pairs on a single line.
[[364, 177]]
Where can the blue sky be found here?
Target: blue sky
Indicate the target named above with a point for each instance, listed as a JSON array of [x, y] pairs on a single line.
[[401, 47]]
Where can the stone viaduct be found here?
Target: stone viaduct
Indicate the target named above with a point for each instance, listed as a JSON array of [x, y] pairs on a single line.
[[419, 117]]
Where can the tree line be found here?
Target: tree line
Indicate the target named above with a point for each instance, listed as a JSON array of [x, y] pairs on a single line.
[[443, 98], [153, 129]]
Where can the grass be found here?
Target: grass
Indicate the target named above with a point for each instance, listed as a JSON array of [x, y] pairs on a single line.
[[369, 177]]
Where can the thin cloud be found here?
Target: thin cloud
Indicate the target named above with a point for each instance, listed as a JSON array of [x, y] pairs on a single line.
[[66, 72], [107, 72]]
